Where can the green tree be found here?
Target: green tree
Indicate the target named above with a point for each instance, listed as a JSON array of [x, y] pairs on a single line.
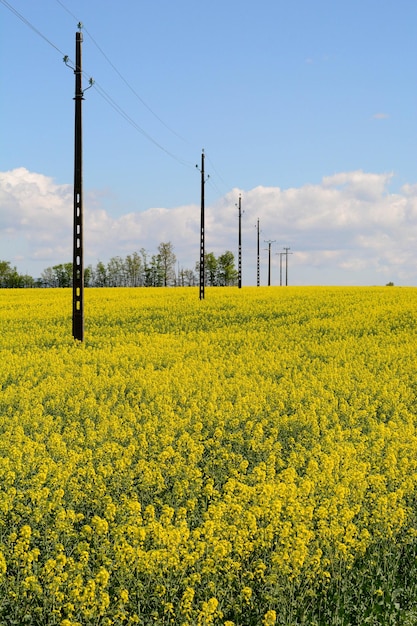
[[155, 275], [48, 278], [10, 277], [167, 261], [88, 276], [100, 275], [186, 278], [134, 270], [59, 275], [189, 278], [116, 274], [226, 272], [210, 269], [63, 274]]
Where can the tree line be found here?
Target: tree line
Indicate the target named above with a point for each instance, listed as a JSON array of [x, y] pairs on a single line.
[[10, 277], [139, 269]]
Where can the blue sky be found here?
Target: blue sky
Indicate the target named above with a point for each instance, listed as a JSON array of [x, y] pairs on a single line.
[[308, 109]]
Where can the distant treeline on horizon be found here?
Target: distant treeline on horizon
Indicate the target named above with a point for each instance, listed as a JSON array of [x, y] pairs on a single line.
[[135, 270]]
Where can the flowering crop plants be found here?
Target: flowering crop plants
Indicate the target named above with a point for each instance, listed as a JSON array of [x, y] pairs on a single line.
[[248, 459]]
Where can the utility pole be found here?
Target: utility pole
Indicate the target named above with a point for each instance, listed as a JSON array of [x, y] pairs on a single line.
[[78, 248], [286, 265], [269, 260], [239, 265], [258, 262], [281, 254], [202, 244]]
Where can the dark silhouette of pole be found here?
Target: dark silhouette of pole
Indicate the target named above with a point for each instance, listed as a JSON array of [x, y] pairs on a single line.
[[239, 256], [202, 243], [258, 258], [78, 248], [269, 260]]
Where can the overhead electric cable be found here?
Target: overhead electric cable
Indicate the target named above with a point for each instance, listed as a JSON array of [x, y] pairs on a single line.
[[136, 126], [226, 187], [30, 25], [67, 10], [135, 93], [215, 187], [217, 173], [100, 90]]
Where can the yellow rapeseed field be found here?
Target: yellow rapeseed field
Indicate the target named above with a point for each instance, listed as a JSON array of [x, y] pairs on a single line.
[[248, 459]]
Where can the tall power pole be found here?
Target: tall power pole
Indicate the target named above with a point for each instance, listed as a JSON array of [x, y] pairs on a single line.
[[78, 248], [202, 244], [258, 259], [269, 260], [239, 264]]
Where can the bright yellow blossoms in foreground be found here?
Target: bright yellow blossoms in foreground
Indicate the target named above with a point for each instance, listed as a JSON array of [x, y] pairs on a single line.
[[246, 459]]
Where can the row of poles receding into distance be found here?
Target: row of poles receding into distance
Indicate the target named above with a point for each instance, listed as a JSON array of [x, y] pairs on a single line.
[[239, 262], [78, 245]]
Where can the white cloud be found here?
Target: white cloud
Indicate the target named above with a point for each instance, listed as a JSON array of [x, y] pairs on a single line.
[[33, 200], [348, 229]]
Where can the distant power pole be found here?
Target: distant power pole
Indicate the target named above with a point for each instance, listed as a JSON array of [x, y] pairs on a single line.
[[269, 260], [286, 265], [258, 260], [202, 244], [239, 265], [78, 248], [281, 254]]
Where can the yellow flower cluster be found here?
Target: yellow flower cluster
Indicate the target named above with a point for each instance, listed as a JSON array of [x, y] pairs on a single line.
[[200, 462]]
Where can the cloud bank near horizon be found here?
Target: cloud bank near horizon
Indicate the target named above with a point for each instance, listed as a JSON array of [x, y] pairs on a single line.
[[348, 229]]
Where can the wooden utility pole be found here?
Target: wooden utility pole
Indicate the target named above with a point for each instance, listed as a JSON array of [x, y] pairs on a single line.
[[202, 253], [78, 248]]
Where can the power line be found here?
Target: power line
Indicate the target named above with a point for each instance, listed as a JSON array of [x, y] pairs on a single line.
[[67, 10], [121, 75], [100, 90], [211, 182], [212, 165], [30, 25], [214, 186], [134, 91], [116, 107]]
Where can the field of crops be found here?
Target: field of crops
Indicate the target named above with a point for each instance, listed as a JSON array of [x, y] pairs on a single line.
[[249, 459]]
